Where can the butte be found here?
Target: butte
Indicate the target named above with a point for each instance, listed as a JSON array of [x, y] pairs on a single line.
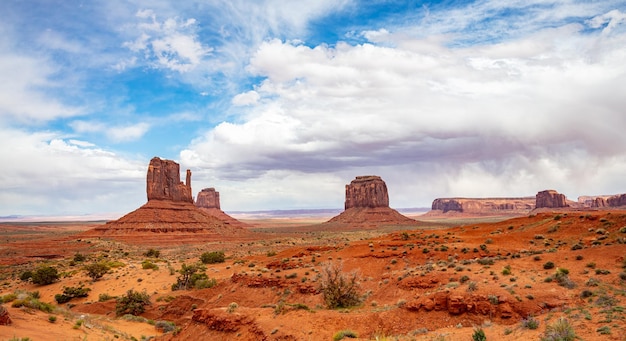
[[367, 204], [170, 214]]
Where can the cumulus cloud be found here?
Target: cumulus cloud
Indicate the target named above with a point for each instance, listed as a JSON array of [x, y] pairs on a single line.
[[506, 118], [170, 44], [48, 173]]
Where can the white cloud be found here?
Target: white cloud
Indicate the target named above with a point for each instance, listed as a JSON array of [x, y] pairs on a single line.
[[246, 98], [49, 174], [116, 133], [508, 118]]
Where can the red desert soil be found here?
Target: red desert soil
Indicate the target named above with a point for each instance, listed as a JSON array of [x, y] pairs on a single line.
[[425, 281]]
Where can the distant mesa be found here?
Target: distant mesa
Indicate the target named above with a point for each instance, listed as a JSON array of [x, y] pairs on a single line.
[[551, 199], [603, 201], [367, 201], [208, 200], [483, 206], [170, 208]]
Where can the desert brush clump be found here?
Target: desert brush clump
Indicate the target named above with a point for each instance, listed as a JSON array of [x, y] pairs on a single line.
[[342, 334], [96, 270], [561, 330], [71, 292], [193, 276], [339, 289], [152, 253], [133, 302], [31, 300], [212, 257], [42, 275], [479, 335]]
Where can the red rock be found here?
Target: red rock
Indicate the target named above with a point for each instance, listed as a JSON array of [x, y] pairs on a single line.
[[456, 305], [5, 319], [521, 205], [163, 182], [550, 199], [367, 191], [208, 198], [617, 200]]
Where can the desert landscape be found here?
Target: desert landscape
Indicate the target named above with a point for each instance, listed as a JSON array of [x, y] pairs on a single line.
[[179, 268]]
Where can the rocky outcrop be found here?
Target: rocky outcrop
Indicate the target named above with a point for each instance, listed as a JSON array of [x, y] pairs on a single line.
[[163, 182], [617, 200], [366, 191], [170, 210], [5, 319], [208, 198], [550, 199], [367, 204], [521, 205]]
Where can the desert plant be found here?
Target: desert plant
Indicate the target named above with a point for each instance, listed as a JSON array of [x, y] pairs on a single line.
[[31, 300], [340, 290], [133, 302], [165, 326], [52, 318], [530, 323], [479, 335], [70, 293], [231, 307], [96, 270], [152, 253], [45, 275], [105, 297], [562, 278], [342, 334], [561, 330], [79, 257], [189, 276], [548, 265], [212, 257], [146, 264]]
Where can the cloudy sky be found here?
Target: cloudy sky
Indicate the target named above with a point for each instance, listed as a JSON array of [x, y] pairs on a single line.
[[279, 104]]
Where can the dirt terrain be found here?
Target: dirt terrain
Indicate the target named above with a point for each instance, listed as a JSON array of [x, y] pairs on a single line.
[[436, 279]]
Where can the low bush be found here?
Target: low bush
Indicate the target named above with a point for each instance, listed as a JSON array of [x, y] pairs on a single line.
[[212, 257], [96, 270], [133, 302], [479, 335], [146, 264], [340, 290], [548, 265], [152, 253], [45, 275], [342, 334], [561, 330], [530, 323], [71, 292]]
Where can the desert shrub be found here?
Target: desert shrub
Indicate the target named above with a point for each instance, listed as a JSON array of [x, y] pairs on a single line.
[[31, 300], [342, 334], [562, 278], [479, 335], [212, 257], [486, 261], [52, 318], [472, 286], [133, 302], [604, 330], [561, 330], [530, 323], [189, 276], [45, 275], [506, 270], [96, 270], [165, 326], [146, 264], [205, 283], [548, 265], [602, 272], [105, 297], [79, 257], [70, 293], [26, 275], [340, 290], [232, 306], [152, 253]]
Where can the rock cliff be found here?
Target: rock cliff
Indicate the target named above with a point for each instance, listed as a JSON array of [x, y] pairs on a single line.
[[550, 199], [617, 200], [163, 182], [367, 203], [367, 191], [208, 200], [521, 205], [170, 211]]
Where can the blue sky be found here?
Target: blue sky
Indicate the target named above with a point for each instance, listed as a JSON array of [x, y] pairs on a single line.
[[279, 104]]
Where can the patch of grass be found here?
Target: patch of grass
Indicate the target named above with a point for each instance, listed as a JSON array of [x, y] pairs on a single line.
[[530, 323], [479, 335], [342, 334], [561, 330]]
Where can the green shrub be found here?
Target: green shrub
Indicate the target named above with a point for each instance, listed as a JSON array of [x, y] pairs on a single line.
[[561, 330], [31, 300], [530, 323], [165, 326], [133, 302], [342, 334], [45, 275], [52, 318], [146, 264], [78, 257], [70, 293], [212, 257], [548, 265], [152, 253], [189, 276], [26, 275], [97, 270], [479, 335], [105, 297], [339, 290]]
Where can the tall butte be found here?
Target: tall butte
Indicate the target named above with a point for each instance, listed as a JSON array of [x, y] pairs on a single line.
[[170, 210], [208, 200], [367, 203]]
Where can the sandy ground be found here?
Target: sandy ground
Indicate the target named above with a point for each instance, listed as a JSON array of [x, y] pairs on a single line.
[[411, 279]]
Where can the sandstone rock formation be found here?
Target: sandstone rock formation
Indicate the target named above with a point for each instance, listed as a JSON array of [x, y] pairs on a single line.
[[367, 202], [367, 191], [5, 319], [170, 209], [208, 200], [550, 199], [521, 205], [617, 200], [163, 182]]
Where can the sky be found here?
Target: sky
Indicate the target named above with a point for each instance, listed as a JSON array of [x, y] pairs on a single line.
[[280, 104]]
